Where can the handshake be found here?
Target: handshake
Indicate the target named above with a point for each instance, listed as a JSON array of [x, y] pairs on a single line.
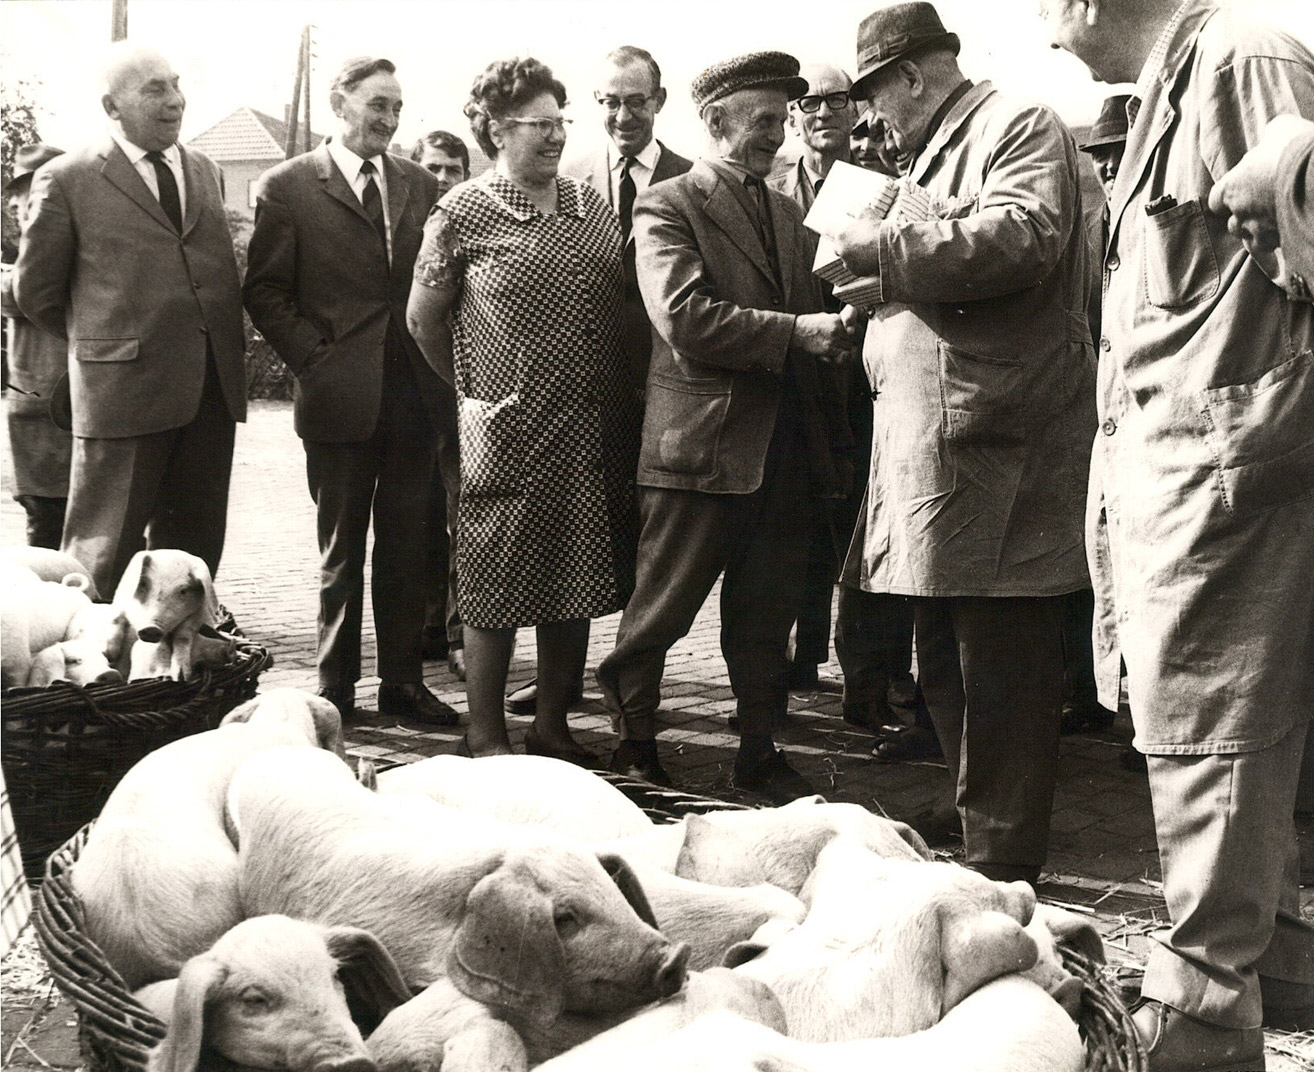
[[828, 336]]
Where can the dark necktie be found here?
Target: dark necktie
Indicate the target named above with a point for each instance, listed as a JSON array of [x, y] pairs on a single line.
[[372, 202], [626, 206], [765, 230], [816, 187], [168, 189]]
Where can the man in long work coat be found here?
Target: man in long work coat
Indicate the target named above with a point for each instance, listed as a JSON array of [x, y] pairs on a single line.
[[1201, 520], [981, 361]]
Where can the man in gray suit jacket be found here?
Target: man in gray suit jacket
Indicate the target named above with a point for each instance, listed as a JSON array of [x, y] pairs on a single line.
[[328, 276], [127, 253], [744, 410]]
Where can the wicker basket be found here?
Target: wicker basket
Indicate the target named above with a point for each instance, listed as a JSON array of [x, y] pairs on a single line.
[[65, 747], [117, 1033]]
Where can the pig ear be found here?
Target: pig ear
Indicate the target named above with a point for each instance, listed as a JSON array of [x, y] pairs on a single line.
[[181, 1049], [370, 976], [506, 951], [742, 953], [630, 886], [805, 802], [328, 725], [241, 713], [913, 838], [1072, 930], [979, 948]]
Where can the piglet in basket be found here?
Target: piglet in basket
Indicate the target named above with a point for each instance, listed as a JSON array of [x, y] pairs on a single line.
[[168, 599]]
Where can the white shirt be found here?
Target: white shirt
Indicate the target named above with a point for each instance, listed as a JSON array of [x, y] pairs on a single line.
[[350, 164], [642, 165], [137, 158]]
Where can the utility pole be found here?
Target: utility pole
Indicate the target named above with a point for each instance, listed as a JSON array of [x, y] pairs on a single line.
[[301, 86], [119, 20]]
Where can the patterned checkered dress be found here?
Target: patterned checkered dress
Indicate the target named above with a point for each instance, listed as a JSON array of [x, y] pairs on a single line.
[[549, 417]]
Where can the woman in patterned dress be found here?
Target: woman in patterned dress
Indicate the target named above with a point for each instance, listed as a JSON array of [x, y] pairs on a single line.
[[517, 300]]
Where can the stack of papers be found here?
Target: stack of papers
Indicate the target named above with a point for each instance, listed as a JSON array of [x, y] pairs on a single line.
[[850, 192]]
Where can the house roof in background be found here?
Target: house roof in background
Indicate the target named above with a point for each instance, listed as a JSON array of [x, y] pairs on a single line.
[[247, 134]]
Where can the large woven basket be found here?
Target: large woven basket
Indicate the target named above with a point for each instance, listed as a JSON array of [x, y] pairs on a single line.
[[117, 1032], [64, 747]]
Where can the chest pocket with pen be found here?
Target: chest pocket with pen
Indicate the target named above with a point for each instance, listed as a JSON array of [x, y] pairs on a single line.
[[1181, 265]]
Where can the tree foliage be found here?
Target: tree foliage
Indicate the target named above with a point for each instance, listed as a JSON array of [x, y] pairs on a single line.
[[18, 120]]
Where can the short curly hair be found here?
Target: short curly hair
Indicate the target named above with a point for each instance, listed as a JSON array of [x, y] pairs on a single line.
[[503, 86]]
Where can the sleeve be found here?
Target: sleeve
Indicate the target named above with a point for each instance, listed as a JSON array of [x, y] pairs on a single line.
[[47, 252], [1295, 206], [440, 263], [270, 289], [1012, 237], [682, 303]]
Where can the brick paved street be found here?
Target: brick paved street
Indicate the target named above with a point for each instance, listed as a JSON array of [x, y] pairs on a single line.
[[1102, 853]]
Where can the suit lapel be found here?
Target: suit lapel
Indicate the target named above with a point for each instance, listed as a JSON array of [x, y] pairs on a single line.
[[399, 192], [957, 116], [665, 168], [336, 185], [194, 178], [120, 172], [731, 215], [780, 225]]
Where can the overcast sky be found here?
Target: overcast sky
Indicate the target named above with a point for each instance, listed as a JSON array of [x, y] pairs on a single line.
[[235, 52]]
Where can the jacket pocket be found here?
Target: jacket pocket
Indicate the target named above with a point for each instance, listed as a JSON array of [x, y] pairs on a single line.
[[1181, 267], [1262, 437], [981, 398], [107, 350], [492, 448], [684, 417]]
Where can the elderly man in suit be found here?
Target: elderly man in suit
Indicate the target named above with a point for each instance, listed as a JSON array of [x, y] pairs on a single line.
[[1201, 519], [982, 369], [128, 255], [329, 272], [744, 410]]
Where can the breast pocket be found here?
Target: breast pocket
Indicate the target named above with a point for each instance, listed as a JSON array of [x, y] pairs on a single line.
[[106, 350], [1181, 267], [1262, 437], [684, 417], [492, 448]]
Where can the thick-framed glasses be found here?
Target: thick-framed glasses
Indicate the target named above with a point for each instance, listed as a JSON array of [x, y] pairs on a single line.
[[834, 101], [543, 125], [635, 103]]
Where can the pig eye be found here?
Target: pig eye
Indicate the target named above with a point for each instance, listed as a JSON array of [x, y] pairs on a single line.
[[564, 919], [253, 1000]]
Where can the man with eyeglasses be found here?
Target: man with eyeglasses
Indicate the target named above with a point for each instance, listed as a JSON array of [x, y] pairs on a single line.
[[822, 118]]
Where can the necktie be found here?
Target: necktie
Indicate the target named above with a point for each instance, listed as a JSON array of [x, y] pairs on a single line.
[[372, 202], [816, 188], [765, 230], [168, 189], [626, 199]]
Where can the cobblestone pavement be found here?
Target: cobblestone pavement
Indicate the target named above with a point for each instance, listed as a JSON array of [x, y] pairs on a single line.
[[1102, 856]]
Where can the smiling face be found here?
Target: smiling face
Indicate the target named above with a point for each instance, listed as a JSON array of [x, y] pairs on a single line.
[[896, 97], [748, 127], [143, 99], [525, 153], [825, 131], [368, 113], [629, 128]]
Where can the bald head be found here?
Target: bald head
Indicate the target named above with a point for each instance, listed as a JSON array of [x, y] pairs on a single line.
[[824, 115], [142, 97]]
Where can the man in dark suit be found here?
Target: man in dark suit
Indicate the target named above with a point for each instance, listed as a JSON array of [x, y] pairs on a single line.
[[329, 273], [128, 255], [744, 410]]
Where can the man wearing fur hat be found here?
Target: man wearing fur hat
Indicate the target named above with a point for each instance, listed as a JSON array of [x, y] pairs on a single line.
[[744, 429], [983, 370]]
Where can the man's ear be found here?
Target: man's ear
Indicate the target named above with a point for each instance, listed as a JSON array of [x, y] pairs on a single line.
[[1092, 12], [912, 75], [659, 99], [335, 102], [111, 109]]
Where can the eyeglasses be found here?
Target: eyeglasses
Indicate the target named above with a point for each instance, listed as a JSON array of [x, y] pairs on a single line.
[[833, 101], [635, 103], [543, 125]]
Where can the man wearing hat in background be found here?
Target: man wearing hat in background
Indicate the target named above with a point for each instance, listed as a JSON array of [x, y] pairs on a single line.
[[42, 451], [982, 364], [744, 427], [127, 253]]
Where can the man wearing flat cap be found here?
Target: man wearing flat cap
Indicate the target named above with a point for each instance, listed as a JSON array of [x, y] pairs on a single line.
[[744, 431], [41, 450], [983, 369]]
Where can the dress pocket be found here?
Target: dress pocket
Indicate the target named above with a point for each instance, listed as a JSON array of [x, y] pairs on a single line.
[[492, 448], [684, 417], [981, 398], [106, 350], [1262, 437], [1181, 267]]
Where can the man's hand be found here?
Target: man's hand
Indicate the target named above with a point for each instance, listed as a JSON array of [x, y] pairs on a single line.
[[823, 335], [1246, 193], [858, 244]]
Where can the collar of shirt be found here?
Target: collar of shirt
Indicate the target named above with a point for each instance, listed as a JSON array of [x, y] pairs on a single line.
[[137, 158], [1155, 60], [807, 173], [350, 164], [730, 168], [646, 158]]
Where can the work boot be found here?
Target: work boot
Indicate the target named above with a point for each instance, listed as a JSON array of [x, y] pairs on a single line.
[[1176, 1042]]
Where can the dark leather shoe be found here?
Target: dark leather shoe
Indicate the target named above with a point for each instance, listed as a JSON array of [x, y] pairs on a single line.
[[772, 777], [906, 743], [414, 701], [343, 698], [433, 642], [874, 715], [639, 759], [1175, 1042], [1287, 1006], [580, 756], [1082, 718], [803, 677], [524, 700], [456, 662]]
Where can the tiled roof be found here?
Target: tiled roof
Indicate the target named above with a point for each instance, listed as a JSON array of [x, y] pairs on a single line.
[[247, 134]]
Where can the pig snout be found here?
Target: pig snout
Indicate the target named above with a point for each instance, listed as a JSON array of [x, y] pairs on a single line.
[[672, 971], [152, 634], [108, 677], [355, 1063]]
